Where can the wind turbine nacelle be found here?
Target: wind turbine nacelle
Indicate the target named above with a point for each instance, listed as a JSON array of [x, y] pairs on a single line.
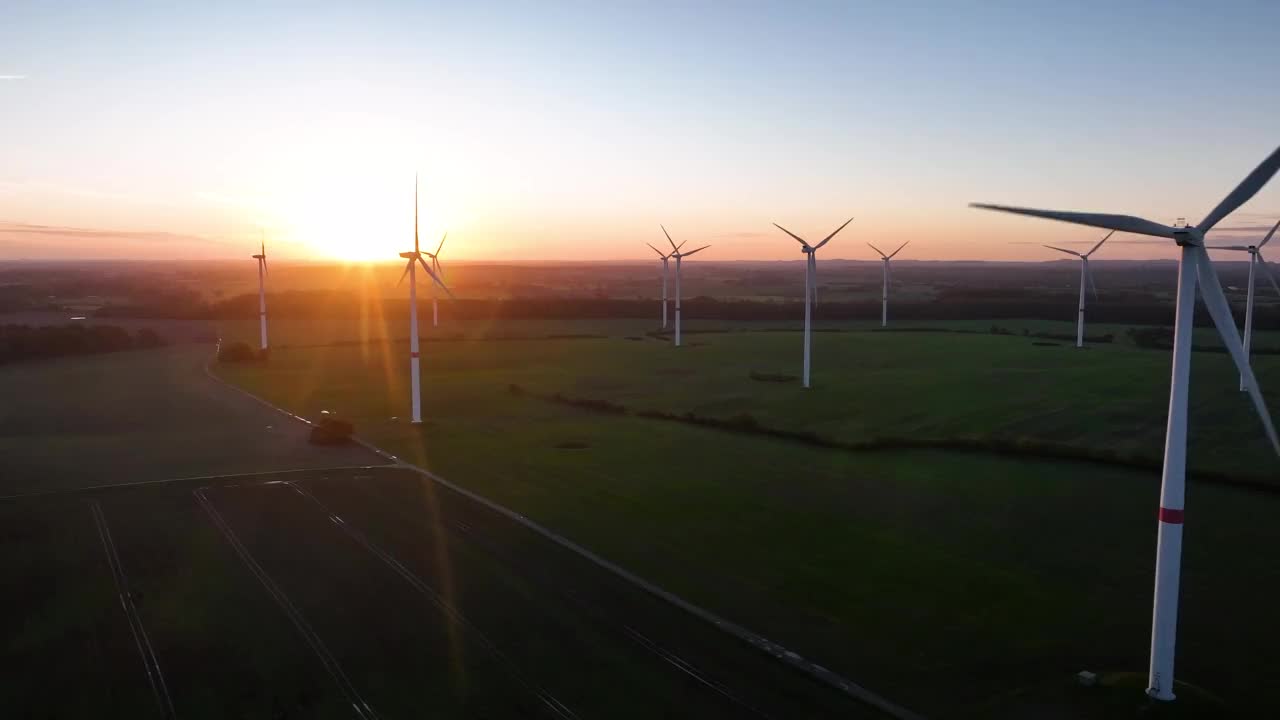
[[1184, 236], [259, 257], [409, 255]]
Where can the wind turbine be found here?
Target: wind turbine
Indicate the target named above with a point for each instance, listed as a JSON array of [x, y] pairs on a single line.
[[884, 282], [1193, 263], [675, 253], [411, 271], [666, 257], [1085, 276], [1255, 259], [262, 295], [435, 266], [810, 286]]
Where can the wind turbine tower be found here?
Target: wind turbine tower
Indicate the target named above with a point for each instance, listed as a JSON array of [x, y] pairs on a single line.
[[1085, 277], [1194, 266], [262, 296], [884, 281], [410, 269], [675, 253], [810, 287], [1255, 261]]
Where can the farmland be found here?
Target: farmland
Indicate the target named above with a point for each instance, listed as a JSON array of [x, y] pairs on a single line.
[[177, 550], [987, 575]]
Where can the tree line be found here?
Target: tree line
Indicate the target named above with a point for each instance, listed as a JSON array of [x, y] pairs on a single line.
[[20, 343], [1135, 309]]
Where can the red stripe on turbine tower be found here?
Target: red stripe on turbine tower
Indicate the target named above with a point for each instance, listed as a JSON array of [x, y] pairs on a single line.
[[1171, 516], [413, 354]]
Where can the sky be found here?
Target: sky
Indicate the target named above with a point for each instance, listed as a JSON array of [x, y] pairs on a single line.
[[572, 130]]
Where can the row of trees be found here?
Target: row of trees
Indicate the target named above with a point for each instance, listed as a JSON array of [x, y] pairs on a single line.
[[1133, 310], [24, 342]]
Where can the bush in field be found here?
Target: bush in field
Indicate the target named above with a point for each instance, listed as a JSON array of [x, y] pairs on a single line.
[[236, 352], [147, 338], [1151, 337], [331, 431]]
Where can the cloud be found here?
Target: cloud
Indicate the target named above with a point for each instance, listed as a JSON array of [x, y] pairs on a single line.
[[15, 228], [13, 77], [1246, 228]]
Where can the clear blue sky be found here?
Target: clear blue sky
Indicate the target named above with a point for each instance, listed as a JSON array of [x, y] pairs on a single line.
[[570, 129]]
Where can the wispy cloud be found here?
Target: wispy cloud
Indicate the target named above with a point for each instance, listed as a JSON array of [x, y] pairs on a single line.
[[13, 77], [1246, 228], [16, 228]]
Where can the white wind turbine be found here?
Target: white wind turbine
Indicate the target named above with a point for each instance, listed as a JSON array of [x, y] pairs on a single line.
[[1255, 260], [1193, 264], [666, 257], [884, 281], [411, 271], [262, 296], [435, 267], [675, 253], [810, 286], [1085, 277]]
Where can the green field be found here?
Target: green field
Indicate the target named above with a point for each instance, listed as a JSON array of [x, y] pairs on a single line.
[[987, 578]]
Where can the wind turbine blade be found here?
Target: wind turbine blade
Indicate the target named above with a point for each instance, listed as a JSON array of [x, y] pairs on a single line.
[[1244, 192], [895, 252], [797, 237], [441, 245], [660, 253], [1216, 303], [1069, 252], [704, 247], [1095, 247], [405, 273], [415, 212], [827, 239], [673, 242], [1268, 237], [1266, 270], [1089, 274], [1239, 248], [1123, 223], [435, 278], [873, 247], [265, 268]]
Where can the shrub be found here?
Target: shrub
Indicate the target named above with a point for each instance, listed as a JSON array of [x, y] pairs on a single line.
[[331, 431], [236, 352]]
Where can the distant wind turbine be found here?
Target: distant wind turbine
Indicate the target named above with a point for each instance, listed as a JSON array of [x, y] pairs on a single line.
[[1193, 263], [1085, 277], [1255, 260], [262, 295], [435, 266], [675, 253], [884, 281], [810, 287], [410, 270], [666, 257]]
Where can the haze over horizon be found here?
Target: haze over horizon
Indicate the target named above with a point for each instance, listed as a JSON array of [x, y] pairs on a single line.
[[570, 131]]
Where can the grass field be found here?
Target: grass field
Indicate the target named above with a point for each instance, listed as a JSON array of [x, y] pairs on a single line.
[[982, 577]]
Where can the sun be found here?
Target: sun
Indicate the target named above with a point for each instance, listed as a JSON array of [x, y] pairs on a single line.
[[369, 221]]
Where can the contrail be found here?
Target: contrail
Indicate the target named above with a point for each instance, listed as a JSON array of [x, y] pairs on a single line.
[[13, 77]]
